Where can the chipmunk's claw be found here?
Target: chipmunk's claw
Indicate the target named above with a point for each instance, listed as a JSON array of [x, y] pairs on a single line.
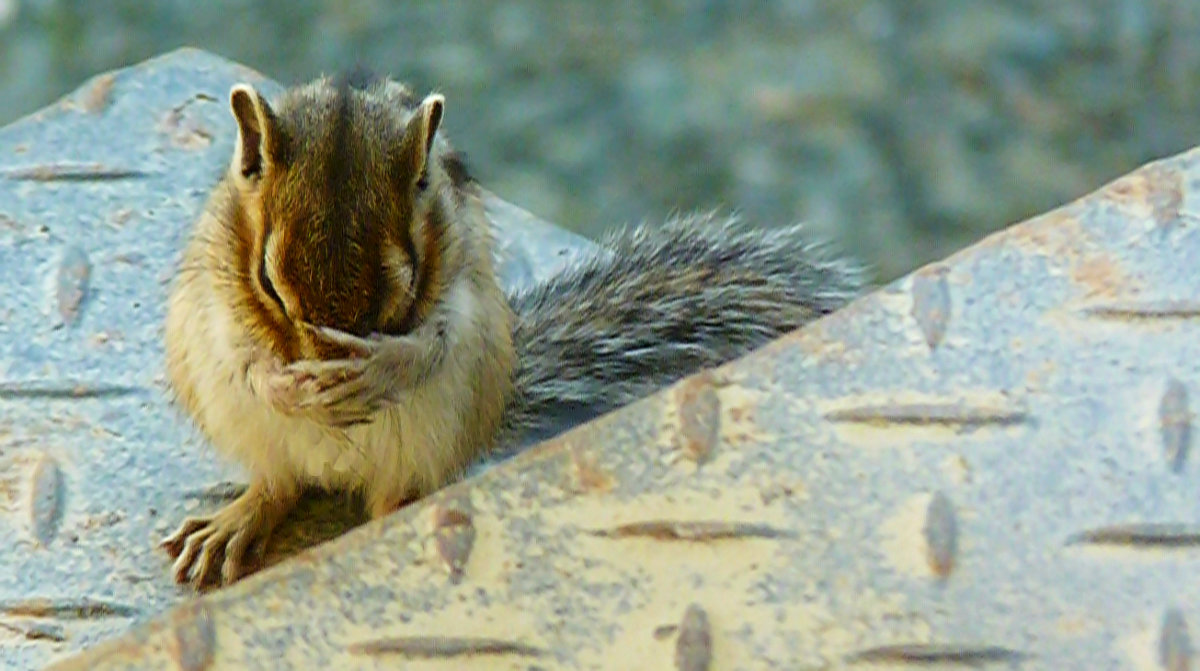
[[203, 543], [213, 549]]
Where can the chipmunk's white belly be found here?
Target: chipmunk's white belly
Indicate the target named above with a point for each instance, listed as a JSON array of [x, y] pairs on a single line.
[[409, 447]]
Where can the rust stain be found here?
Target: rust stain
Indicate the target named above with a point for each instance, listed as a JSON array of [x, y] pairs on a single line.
[[949, 412], [738, 417], [442, 647], [1101, 275], [589, 476], [1141, 535], [72, 172], [71, 283], [692, 530], [1142, 310], [75, 609], [941, 535], [61, 390], [37, 631], [699, 416], [12, 475], [932, 653], [1154, 192], [98, 96], [1132, 188], [454, 535]]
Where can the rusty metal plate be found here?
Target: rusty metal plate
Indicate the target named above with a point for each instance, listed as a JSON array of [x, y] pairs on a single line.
[[988, 463], [96, 194]]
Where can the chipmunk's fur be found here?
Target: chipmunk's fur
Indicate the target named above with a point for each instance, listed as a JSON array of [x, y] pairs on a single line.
[[654, 304], [343, 209], [337, 320]]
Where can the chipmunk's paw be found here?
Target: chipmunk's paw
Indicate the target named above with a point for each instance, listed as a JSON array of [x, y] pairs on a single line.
[[349, 391], [341, 392], [202, 544], [303, 390]]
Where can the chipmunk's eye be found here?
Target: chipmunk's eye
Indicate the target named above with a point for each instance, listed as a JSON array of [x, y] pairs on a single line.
[[268, 287], [422, 182]]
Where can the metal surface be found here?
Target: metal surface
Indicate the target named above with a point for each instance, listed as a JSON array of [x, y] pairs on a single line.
[[988, 463]]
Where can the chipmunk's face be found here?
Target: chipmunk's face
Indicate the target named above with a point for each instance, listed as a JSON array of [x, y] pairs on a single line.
[[337, 218]]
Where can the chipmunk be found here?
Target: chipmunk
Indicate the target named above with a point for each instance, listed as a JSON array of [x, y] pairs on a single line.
[[336, 319]]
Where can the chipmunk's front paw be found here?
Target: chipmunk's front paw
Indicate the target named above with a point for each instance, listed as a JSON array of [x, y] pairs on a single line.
[[349, 391], [340, 392], [202, 543], [303, 390]]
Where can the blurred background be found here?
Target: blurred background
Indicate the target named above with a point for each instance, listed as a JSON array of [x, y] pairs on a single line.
[[902, 129]]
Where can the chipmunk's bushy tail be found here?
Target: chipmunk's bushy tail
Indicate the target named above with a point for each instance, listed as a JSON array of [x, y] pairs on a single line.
[[656, 303]]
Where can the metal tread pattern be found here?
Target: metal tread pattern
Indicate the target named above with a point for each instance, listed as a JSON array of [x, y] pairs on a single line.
[[986, 464]]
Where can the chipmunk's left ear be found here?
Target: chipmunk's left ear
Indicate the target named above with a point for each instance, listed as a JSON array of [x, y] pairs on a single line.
[[258, 135], [419, 135]]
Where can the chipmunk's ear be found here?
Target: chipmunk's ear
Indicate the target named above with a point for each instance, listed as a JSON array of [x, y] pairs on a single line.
[[419, 136], [257, 132]]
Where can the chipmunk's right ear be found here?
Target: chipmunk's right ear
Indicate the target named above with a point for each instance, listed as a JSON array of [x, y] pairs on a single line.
[[257, 132], [419, 135]]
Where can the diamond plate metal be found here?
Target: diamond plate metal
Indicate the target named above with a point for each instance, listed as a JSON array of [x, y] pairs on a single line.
[[983, 464]]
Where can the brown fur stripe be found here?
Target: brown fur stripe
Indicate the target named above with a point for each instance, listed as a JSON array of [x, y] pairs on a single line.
[[431, 269], [248, 250]]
